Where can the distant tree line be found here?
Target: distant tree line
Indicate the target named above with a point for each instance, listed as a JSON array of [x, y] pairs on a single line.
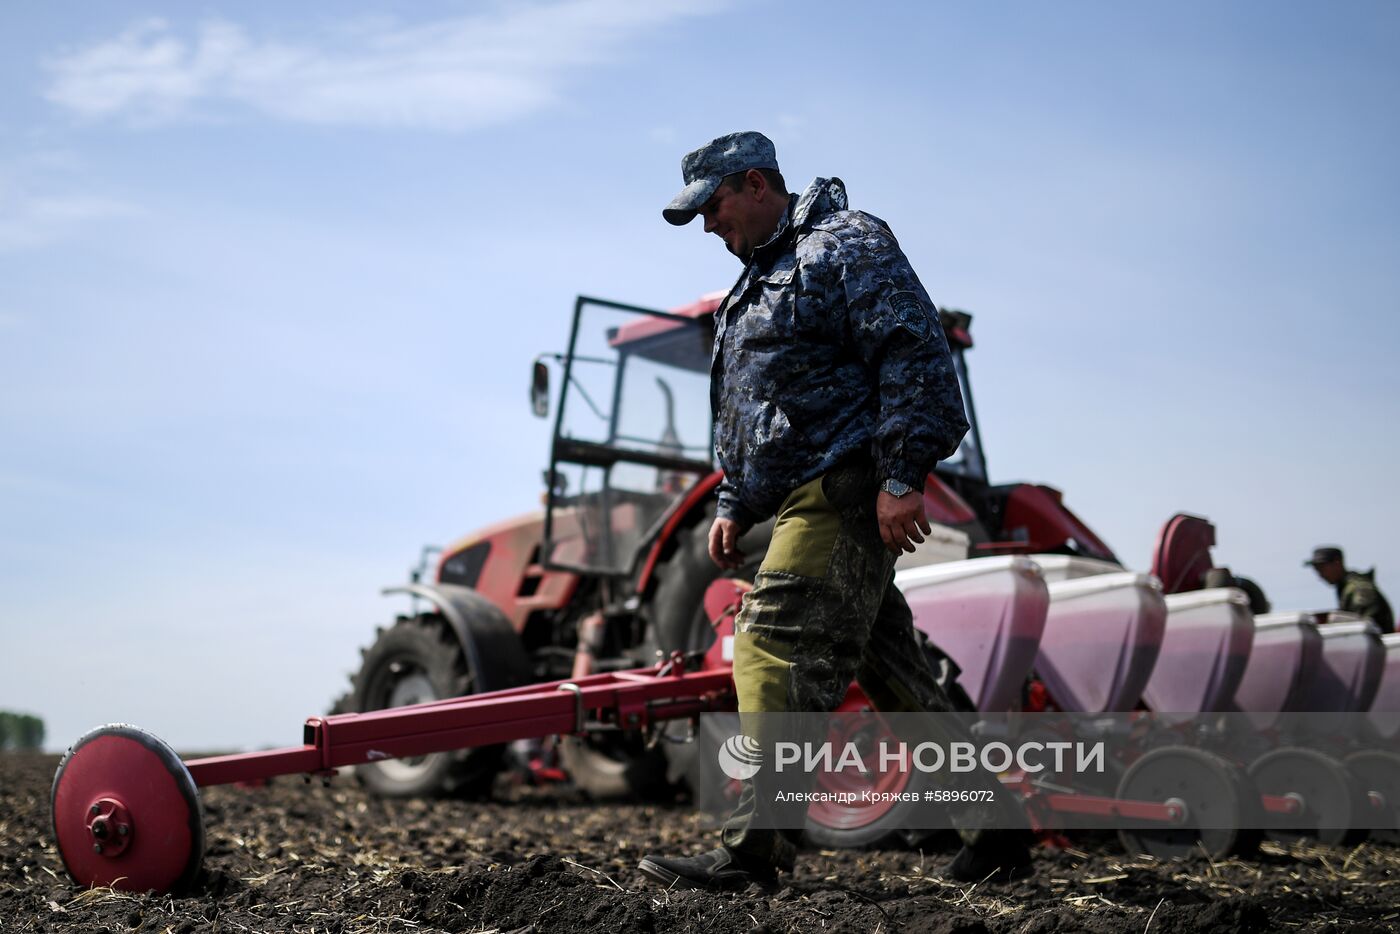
[[20, 731]]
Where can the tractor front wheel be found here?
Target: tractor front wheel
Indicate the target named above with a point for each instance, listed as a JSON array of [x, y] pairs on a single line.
[[414, 661]]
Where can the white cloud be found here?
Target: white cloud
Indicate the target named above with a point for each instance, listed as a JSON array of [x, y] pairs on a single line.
[[453, 74]]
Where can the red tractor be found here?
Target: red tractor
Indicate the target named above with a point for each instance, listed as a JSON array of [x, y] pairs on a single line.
[[612, 574], [596, 622]]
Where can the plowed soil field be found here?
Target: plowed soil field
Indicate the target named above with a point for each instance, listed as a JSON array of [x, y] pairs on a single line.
[[296, 857]]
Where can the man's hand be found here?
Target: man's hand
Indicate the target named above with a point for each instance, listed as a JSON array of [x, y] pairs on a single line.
[[901, 519], [724, 543]]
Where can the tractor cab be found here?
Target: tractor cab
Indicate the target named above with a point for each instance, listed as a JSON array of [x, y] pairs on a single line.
[[632, 431]]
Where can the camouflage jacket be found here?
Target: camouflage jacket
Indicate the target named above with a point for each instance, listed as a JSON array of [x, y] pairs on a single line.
[[1357, 593], [827, 346]]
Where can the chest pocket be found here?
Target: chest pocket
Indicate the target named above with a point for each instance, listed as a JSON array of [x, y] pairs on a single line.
[[776, 295], [764, 320]]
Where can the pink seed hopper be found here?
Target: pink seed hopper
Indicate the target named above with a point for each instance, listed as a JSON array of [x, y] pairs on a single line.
[[1286, 652], [1205, 650], [1102, 637], [988, 615]]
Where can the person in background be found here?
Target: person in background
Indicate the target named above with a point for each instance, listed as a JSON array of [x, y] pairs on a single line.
[[1356, 590]]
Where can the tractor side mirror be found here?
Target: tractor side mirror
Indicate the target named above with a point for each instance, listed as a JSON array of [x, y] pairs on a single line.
[[539, 390]]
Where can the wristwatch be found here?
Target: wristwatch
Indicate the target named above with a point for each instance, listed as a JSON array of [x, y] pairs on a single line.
[[896, 487]]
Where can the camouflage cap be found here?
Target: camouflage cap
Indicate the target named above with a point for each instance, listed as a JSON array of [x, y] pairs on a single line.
[[703, 169], [1324, 554]]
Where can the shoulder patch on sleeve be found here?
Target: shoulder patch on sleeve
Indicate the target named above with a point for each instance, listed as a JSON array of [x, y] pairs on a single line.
[[910, 312]]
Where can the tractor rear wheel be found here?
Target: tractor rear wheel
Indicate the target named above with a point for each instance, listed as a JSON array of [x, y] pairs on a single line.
[[418, 660], [678, 607], [614, 765], [678, 621]]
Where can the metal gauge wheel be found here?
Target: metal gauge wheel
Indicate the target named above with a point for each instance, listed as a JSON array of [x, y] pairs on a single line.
[[1330, 801], [1378, 771], [126, 813], [1214, 800]]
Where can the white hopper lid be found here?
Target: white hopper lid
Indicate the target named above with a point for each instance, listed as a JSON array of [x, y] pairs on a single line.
[[1215, 596], [1101, 583], [931, 574], [939, 546], [1340, 630], [1069, 567], [1280, 620]]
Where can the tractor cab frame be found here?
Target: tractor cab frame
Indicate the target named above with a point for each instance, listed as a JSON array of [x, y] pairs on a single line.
[[632, 454], [632, 433]]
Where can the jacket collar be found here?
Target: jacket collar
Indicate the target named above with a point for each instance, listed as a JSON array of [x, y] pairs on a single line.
[[824, 196]]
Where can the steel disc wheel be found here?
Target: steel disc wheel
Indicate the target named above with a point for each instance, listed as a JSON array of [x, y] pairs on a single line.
[[1378, 772], [126, 813], [1331, 799], [831, 823], [1215, 801]]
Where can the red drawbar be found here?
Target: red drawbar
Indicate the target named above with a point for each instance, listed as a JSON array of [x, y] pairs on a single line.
[[631, 699]]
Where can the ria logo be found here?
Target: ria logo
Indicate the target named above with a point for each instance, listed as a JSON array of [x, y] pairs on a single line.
[[740, 757]]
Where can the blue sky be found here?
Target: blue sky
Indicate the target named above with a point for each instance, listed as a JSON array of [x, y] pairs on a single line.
[[272, 277]]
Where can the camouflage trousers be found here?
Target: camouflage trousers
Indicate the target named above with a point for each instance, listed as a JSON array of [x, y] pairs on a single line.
[[824, 611]]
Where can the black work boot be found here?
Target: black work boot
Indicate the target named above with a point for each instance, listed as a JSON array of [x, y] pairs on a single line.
[[720, 868], [997, 856]]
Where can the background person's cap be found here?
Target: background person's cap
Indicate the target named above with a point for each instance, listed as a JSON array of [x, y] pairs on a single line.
[[1323, 554], [703, 169]]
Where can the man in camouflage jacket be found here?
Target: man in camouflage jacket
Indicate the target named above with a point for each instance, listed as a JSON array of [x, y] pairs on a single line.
[[1356, 590], [828, 347], [834, 395]]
